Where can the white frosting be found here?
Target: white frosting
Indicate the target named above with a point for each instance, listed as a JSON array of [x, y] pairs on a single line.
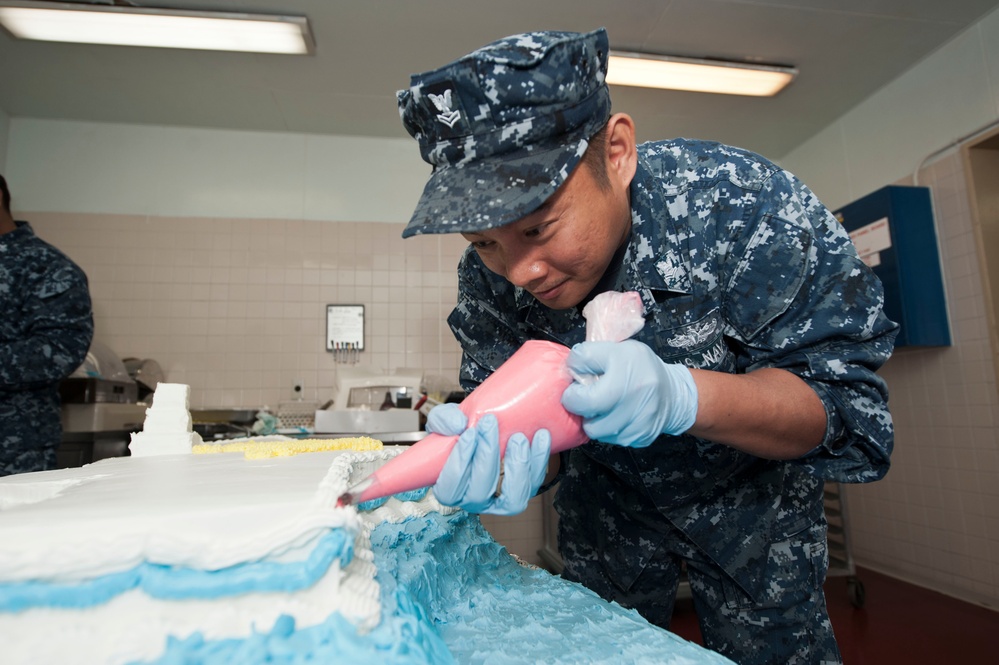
[[168, 421], [168, 428], [87, 631], [447, 586], [15, 495], [172, 395], [200, 512], [146, 444]]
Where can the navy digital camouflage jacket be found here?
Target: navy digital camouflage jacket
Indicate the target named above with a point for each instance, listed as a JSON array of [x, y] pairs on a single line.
[[46, 326], [739, 267]]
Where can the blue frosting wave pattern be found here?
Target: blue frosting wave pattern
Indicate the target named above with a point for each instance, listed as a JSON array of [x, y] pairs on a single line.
[[451, 594], [412, 495], [169, 582]]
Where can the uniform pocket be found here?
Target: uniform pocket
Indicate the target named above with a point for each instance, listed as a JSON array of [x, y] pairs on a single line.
[[767, 277], [794, 569]]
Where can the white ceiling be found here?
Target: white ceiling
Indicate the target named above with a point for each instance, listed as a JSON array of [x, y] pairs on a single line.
[[366, 50]]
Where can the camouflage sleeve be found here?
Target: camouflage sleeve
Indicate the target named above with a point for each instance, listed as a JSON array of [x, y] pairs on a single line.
[[55, 333], [483, 321], [800, 299]]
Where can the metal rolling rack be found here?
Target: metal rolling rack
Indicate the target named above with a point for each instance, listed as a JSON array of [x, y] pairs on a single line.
[[840, 557]]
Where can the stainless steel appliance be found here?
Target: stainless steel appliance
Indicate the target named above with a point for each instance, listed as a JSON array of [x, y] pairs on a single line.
[[146, 373], [372, 402], [219, 424], [100, 409]]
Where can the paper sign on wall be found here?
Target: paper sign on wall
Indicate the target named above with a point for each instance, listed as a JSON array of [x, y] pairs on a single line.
[[345, 331], [872, 239]]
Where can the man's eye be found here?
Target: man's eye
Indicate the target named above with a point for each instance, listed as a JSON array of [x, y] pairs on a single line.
[[535, 231], [482, 244]]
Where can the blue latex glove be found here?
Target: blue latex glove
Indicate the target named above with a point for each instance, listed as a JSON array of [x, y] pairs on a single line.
[[637, 396], [447, 419], [472, 471]]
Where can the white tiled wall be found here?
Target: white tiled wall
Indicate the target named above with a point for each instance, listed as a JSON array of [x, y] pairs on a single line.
[[236, 308], [934, 519]]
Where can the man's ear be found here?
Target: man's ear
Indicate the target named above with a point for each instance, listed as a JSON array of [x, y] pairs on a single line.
[[622, 154]]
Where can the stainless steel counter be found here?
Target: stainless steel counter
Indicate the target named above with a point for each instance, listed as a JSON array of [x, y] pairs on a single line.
[[390, 438]]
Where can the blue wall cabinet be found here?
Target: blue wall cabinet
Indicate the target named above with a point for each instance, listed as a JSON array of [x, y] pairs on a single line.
[[894, 232]]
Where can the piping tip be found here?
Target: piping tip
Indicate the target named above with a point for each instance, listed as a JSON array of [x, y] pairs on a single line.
[[354, 492]]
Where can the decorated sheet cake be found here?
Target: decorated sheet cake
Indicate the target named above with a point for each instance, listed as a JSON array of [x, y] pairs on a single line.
[[243, 557]]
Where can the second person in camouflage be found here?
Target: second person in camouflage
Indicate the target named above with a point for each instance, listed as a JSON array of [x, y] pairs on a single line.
[[46, 326]]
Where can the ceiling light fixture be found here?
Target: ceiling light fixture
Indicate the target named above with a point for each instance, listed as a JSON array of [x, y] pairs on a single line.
[[698, 75], [125, 25]]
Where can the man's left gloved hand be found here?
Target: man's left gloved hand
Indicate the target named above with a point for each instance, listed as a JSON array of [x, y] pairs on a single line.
[[472, 470], [636, 396]]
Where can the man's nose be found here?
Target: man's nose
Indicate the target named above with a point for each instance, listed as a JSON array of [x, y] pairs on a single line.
[[525, 270]]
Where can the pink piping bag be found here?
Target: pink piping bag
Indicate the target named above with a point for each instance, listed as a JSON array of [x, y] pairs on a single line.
[[525, 394]]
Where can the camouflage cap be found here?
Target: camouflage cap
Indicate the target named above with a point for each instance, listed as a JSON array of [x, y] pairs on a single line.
[[504, 126]]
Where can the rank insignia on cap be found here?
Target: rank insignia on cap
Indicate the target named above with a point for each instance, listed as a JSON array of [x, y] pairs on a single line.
[[443, 103]]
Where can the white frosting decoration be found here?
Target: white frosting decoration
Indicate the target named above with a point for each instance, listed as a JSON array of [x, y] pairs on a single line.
[[172, 395], [167, 421], [219, 559], [24, 494], [147, 444], [198, 512], [104, 633], [168, 428]]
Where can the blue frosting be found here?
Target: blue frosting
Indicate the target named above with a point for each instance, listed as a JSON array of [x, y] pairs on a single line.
[[402, 639], [406, 635], [175, 583], [450, 594], [488, 608], [412, 495]]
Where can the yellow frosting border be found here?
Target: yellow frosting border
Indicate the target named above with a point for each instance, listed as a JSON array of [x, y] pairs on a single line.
[[264, 449]]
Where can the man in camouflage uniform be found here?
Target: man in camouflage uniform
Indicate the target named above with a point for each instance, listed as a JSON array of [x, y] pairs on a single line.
[[45, 330], [751, 383]]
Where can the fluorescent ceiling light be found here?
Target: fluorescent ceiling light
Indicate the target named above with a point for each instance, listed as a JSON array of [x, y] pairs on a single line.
[[163, 28], [676, 73]]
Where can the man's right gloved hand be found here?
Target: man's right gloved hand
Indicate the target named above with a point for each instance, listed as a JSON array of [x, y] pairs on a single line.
[[472, 471], [637, 396]]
